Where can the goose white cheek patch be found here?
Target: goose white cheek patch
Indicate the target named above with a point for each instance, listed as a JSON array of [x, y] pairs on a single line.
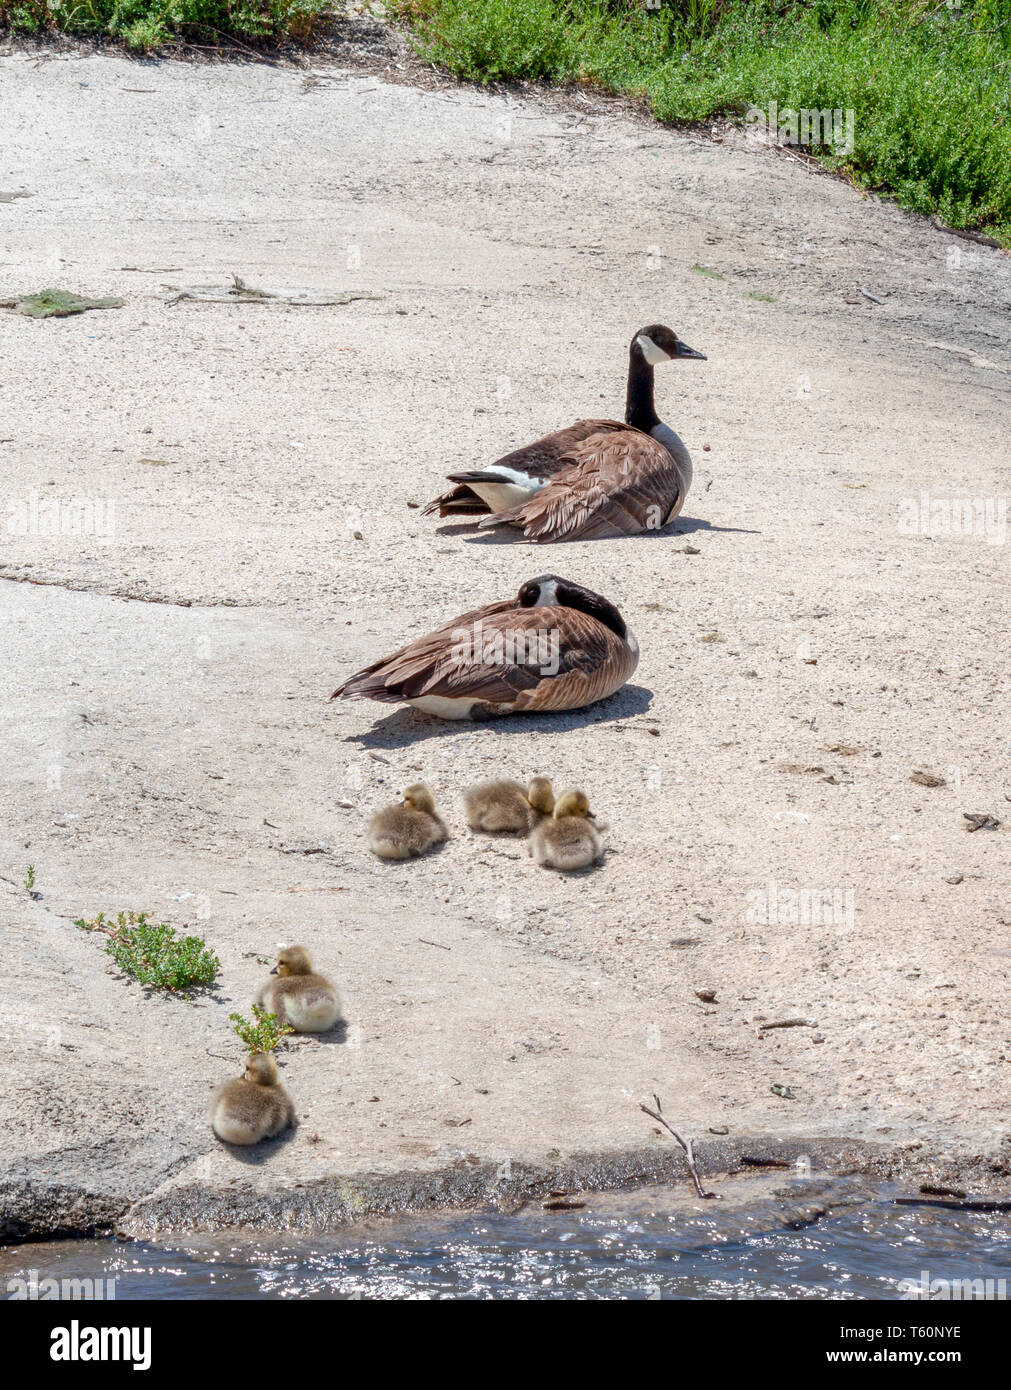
[[653, 355]]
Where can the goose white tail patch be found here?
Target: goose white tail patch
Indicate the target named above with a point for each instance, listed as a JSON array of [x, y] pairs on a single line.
[[443, 707], [499, 495]]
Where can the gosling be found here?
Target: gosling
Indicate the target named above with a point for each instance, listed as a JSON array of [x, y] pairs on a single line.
[[505, 807], [254, 1106], [409, 829], [300, 997], [568, 840]]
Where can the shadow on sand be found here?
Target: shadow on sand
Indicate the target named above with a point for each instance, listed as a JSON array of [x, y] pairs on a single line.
[[406, 726], [510, 535], [253, 1155], [337, 1036]]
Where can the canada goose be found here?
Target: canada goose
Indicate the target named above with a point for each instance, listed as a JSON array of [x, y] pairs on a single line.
[[408, 829], [596, 478], [254, 1106], [300, 997], [506, 806], [554, 646], [569, 839]]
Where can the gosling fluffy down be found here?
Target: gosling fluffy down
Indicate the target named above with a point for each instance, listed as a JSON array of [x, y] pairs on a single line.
[[568, 840], [300, 997], [254, 1106], [505, 807], [409, 829]]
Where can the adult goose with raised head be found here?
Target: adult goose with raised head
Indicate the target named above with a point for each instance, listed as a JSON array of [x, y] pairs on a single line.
[[598, 478]]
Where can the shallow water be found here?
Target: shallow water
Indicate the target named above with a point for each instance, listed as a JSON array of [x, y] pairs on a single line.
[[624, 1246]]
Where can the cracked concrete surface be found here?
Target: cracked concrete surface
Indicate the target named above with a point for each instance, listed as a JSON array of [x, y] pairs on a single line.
[[179, 754]]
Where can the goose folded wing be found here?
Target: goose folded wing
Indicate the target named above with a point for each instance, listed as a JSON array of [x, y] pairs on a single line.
[[612, 484], [492, 656], [353, 685], [541, 459], [546, 456]]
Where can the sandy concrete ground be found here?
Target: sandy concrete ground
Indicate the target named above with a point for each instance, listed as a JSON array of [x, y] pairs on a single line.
[[168, 741]]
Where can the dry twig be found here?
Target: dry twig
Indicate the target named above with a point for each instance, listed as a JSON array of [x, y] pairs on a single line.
[[971, 1204], [686, 1144]]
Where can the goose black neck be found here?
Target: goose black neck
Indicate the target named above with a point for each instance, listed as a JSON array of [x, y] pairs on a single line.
[[575, 596], [639, 410]]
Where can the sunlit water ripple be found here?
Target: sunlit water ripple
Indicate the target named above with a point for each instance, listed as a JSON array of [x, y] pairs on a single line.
[[620, 1246]]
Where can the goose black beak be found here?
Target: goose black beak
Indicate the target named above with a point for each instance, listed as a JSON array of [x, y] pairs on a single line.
[[274, 971], [683, 350]]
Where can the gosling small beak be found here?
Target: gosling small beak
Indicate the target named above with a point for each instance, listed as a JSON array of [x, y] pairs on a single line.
[[590, 816], [274, 971], [683, 350]]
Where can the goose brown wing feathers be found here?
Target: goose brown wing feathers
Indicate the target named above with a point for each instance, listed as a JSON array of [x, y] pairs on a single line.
[[541, 459], [433, 639], [545, 456], [549, 657], [612, 484]]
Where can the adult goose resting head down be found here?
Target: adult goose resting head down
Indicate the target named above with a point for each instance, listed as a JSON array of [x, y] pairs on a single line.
[[555, 646], [598, 478]]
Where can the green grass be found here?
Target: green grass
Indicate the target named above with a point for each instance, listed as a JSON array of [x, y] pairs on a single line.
[[147, 24], [155, 956], [929, 85], [263, 1034]]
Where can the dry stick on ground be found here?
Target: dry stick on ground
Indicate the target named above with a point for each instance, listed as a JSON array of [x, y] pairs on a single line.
[[970, 1204], [686, 1144], [230, 39]]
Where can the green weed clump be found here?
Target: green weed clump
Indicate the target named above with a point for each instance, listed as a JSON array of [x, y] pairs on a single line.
[[146, 24], [263, 1034], [155, 956]]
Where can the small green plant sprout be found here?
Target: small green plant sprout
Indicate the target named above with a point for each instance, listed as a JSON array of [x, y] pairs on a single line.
[[263, 1034], [155, 956], [30, 879]]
